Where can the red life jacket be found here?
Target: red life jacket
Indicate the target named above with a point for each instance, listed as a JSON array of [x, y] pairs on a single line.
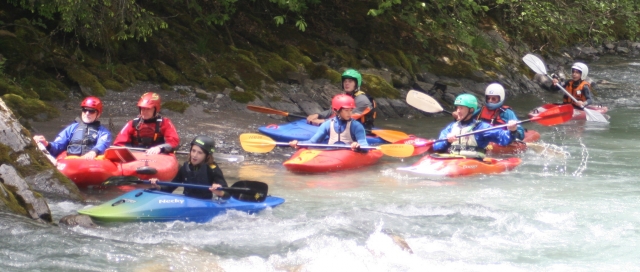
[[492, 116], [577, 92], [144, 135]]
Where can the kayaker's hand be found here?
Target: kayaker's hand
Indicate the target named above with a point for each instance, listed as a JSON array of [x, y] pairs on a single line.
[[451, 138], [317, 122], [355, 146], [153, 182], [580, 104], [312, 117], [40, 139], [294, 143], [154, 150], [512, 125], [90, 155], [214, 188], [555, 81]]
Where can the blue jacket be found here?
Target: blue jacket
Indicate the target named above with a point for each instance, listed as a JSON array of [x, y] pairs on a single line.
[[64, 137], [506, 115], [322, 135], [500, 136]]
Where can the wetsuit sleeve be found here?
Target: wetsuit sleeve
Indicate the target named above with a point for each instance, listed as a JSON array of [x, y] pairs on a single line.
[[218, 178], [124, 137], [357, 130], [509, 115], [177, 179], [587, 94], [321, 134], [171, 138], [325, 114], [104, 140], [61, 142], [363, 106], [500, 136], [443, 145]]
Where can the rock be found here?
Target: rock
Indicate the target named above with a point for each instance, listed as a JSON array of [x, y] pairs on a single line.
[[385, 109], [427, 77], [635, 45], [296, 77], [10, 128], [609, 46], [33, 203], [386, 75], [623, 50], [23, 160], [400, 107], [77, 220], [239, 89], [51, 186], [589, 50]]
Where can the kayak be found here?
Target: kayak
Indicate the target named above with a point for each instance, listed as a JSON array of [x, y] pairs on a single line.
[[446, 165], [117, 162], [329, 160], [300, 130], [515, 147], [420, 145], [149, 205], [577, 113]]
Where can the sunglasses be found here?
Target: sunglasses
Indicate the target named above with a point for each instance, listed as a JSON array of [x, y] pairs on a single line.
[[90, 111]]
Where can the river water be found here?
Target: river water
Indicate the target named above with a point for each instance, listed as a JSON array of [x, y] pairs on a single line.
[[578, 213]]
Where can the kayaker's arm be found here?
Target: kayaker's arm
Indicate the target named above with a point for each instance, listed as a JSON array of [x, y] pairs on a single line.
[[61, 142], [170, 134], [500, 136], [443, 145], [358, 131], [104, 140], [509, 115], [321, 134], [587, 94], [218, 178], [124, 136]]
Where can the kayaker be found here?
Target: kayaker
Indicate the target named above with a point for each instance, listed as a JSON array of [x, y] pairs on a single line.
[[494, 111], [578, 87], [85, 137], [150, 129], [365, 111], [472, 146], [199, 169], [340, 129]]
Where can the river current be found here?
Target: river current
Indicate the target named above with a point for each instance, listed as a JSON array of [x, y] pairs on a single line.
[[552, 213]]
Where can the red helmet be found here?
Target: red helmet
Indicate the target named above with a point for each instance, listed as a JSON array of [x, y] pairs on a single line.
[[92, 102], [342, 101], [150, 100]]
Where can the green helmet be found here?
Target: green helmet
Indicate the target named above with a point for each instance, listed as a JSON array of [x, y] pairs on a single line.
[[467, 100], [353, 74], [207, 144]]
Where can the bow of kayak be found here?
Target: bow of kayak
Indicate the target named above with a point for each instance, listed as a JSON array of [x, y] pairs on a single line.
[[454, 166], [323, 160]]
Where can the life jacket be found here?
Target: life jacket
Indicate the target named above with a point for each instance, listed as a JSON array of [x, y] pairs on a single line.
[[145, 136], [370, 116], [84, 138], [576, 92], [492, 116], [467, 145], [340, 138], [199, 176]]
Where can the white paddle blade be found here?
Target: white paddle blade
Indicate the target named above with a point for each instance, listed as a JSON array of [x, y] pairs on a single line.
[[423, 102], [535, 64], [595, 116]]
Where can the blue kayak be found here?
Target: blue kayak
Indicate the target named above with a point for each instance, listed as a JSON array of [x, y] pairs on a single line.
[[300, 130], [150, 205]]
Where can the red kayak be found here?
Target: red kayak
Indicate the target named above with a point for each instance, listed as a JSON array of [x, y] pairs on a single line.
[[323, 160], [420, 145], [577, 114], [447, 165], [117, 162], [515, 147]]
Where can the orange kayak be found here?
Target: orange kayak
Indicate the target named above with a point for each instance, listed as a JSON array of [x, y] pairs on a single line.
[[577, 114], [516, 147], [323, 160], [117, 162], [420, 145], [445, 165]]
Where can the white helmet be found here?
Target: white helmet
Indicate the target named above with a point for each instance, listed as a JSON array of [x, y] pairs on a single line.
[[582, 68], [495, 89]]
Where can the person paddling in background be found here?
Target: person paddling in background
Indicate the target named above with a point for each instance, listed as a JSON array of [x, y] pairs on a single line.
[[472, 146], [340, 129], [364, 111], [199, 169], [149, 129], [578, 87], [495, 112], [85, 137]]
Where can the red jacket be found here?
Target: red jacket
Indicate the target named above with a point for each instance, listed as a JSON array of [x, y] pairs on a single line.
[[149, 133]]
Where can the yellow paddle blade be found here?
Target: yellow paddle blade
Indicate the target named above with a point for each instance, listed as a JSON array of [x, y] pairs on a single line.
[[391, 136], [257, 143], [397, 150]]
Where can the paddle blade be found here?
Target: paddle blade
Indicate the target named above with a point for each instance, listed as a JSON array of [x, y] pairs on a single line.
[[555, 116], [595, 116], [257, 143], [423, 102], [390, 135], [535, 64], [258, 192], [397, 150], [266, 110]]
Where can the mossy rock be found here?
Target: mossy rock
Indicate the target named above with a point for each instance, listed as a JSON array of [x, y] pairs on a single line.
[[9, 200], [275, 66], [46, 89], [8, 87], [456, 69], [378, 87], [242, 97], [387, 59], [87, 80], [30, 108], [295, 57], [139, 70], [113, 85], [324, 71], [405, 62], [174, 105], [5, 158], [216, 84], [170, 75], [194, 69], [241, 71], [123, 74]]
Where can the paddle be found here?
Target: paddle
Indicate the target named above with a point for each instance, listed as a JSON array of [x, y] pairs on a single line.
[[273, 111], [424, 102], [217, 156], [46, 153], [538, 67], [391, 136], [245, 190], [259, 143]]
